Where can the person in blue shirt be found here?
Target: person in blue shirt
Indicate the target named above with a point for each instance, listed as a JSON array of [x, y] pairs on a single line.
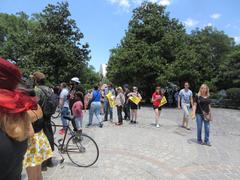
[[185, 100], [95, 107]]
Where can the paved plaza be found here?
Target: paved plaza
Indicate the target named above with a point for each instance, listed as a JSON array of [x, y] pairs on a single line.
[[141, 151]]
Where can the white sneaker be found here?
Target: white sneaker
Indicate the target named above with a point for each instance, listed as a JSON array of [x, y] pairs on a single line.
[[157, 126]]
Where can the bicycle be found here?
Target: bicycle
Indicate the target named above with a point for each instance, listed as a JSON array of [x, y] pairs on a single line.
[[81, 149]]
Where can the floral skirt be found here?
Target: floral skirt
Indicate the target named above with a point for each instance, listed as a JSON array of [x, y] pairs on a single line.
[[38, 150]]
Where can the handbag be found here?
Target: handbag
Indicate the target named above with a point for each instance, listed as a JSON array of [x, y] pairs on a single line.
[[207, 116]]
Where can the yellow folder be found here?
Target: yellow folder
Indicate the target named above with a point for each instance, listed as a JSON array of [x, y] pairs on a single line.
[[163, 101], [111, 100], [136, 100]]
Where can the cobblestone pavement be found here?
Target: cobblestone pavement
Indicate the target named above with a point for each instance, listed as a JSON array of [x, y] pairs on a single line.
[[142, 151]]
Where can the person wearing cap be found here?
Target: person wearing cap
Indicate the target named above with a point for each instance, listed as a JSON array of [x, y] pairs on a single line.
[[16, 117], [107, 108], [134, 107], [126, 107], [74, 87], [120, 100], [41, 89]]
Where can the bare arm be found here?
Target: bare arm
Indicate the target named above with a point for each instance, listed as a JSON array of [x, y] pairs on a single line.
[[130, 94], [179, 107], [191, 100], [139, 95], [153, 99], [61, 102], [194, 107]]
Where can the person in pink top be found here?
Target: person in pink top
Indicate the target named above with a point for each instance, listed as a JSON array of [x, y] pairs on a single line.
[[156, 100], [77, 111]]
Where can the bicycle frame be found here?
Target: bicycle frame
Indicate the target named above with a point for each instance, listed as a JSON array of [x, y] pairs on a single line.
[[67, 128]]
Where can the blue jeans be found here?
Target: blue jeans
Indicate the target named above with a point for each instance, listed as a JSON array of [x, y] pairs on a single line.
[[64, 112], [107, 109], [95, 109], [200, 120], [78, 122]]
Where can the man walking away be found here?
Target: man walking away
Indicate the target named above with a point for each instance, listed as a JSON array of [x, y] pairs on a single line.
[[48, 102]]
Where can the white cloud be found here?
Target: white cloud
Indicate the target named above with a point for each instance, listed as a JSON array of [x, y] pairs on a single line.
[[126, 4], [237, 39], [164, 2], [215, 16], [122, 3], [191, 22], [209, 24], [228, 25]]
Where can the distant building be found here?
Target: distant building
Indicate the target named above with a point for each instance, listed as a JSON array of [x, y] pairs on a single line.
[[103, 70]]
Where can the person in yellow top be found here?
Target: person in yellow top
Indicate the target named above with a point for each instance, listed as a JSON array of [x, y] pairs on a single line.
[[135, 98]]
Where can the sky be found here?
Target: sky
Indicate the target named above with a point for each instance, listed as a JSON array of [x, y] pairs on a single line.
[[104, 22]]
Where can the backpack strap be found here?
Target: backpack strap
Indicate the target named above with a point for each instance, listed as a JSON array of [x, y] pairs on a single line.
[[198, 102]]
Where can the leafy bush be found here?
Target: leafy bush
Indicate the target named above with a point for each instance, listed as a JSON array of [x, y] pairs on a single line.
[[215, 96], [234, 94]]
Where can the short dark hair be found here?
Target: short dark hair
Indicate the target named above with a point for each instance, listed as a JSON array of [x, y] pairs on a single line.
[[96, 87], [79, 94]]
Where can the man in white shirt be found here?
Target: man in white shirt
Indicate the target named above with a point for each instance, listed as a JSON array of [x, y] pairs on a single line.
[[185, 97], [64, 106]]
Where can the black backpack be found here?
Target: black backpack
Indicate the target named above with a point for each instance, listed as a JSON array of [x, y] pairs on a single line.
[[50, 102]]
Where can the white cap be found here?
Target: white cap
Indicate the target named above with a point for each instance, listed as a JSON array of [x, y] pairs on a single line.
[[75, 79]]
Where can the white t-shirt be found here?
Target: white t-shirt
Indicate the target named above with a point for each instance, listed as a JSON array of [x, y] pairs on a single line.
[[64, 95], [185, 96]]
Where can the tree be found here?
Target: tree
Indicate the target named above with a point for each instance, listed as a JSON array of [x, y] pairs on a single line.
[[57, 47], [14, 35], [229, 73], [49, 41], [157, 50], [149, 46]]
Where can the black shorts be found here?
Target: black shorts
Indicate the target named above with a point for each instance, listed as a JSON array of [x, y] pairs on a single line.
[[157, 107], [133, 105]]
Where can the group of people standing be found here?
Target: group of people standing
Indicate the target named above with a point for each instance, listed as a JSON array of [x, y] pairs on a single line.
[[25, 122], [103, 98], [100, 102]]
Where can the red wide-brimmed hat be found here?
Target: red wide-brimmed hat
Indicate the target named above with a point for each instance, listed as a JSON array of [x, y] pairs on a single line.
[[13, 100]]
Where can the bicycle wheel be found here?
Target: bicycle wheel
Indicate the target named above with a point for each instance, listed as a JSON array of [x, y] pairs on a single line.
[[53, 127], [82, 151]]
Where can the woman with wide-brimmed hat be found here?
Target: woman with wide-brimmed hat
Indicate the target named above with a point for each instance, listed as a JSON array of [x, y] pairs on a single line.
[[16, 108]]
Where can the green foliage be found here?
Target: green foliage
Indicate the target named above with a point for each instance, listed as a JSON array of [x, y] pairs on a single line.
[[229, 73], [234, 94], [150, 45], [50, 42], [157, 50]]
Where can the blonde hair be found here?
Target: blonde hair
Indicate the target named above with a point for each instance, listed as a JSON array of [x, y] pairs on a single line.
[[16, 126], [204, 86]]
